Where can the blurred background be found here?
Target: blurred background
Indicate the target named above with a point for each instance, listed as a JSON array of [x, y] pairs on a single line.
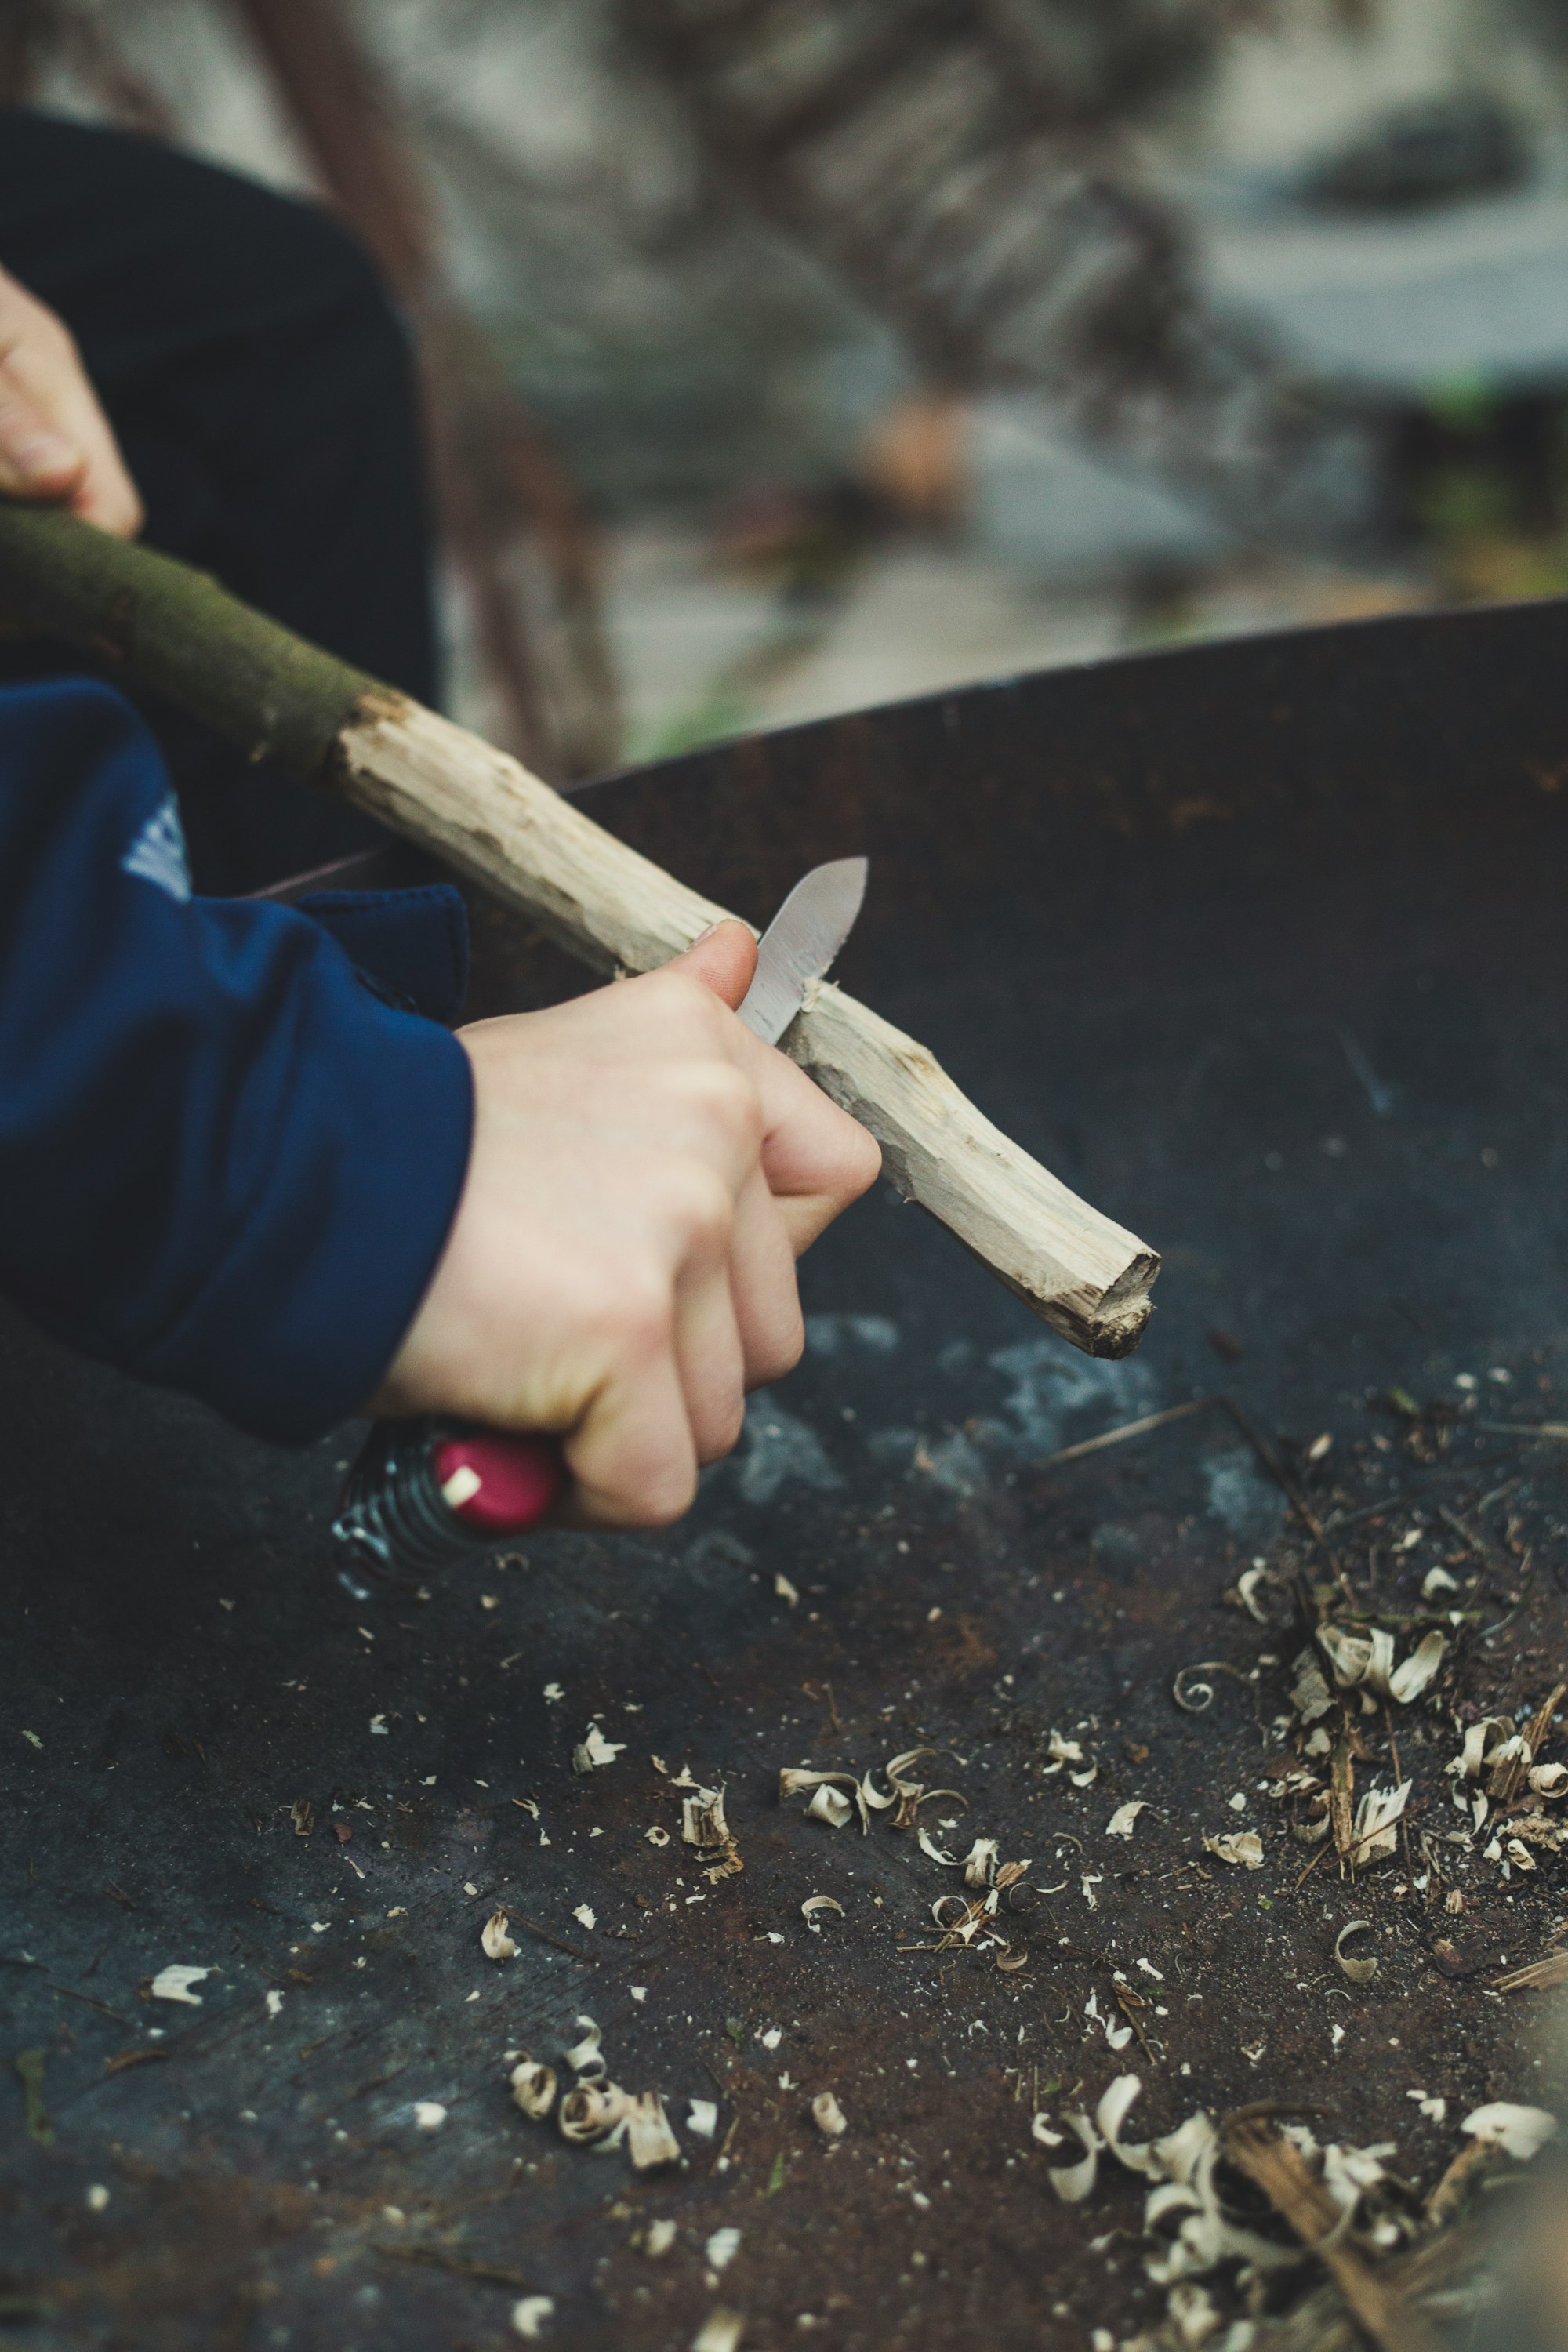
[[784, 356]]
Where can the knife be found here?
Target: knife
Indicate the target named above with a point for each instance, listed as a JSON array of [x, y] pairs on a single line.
[[429, 1491]]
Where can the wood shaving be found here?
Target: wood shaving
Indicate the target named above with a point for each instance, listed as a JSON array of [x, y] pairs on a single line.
[[586, 1914], [1122, 1821], [1243, 1847], [1520, 2132], [494, 1941], [702, 1824], [1376, 1823], [980, 1863], [656, 1836], [595, 2115], [938, 1854], [703, 2118], [720, 2332], [429, 2114], [658, 2237], [302, 1813], [1369, 1659], [784, 1589], [649, 2139], [837, 1794], [532, 2087], [529, 2314], [828, 2115], [816, 1902], [1310, 1696], [831, 1805], [593, 1751], [721, 2249], [1246, 1585], [585, 2058], [1074, 2182], [1359, 1972], [174, 1983]]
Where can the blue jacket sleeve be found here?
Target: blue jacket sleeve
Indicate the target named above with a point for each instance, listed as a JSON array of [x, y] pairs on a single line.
[[226, 1165]]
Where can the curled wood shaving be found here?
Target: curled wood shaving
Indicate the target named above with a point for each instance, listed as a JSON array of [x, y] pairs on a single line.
[[1377, 1822], [494, 1941], [816, 1902], [649, 2139], [837, 1794], [1482, 1743], [703, 2118], [1061, 1751], [1243, 1847], [1520, 2132], [1419, 1670], [1074, 2182], [936, 1852], [657, 1835], [828, 2115], [830, 1805], [533, 2087], [1121, 1822], [1009, 1962], [1549, 1779], [593, 1751], [585, 2058], [595, 2115], [703, 1825], [1369, 1659], [980, 1863], [1246, 1585], [1360, 1971]]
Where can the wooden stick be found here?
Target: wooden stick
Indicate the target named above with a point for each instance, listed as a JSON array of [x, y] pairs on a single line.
[[1255, 2148], [158, 622]]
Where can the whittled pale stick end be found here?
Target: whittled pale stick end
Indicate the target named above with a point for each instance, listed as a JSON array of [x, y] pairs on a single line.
[[1082, 1273]]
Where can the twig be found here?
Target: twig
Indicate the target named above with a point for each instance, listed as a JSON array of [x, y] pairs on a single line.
[[1558, 1429], [492, 2274], [1540, 1975], [1128, 1429], [1301, 2199], [550, 1938]]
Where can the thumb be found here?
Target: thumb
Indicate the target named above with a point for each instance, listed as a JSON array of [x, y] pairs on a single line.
[[723, 959], [35, 460]]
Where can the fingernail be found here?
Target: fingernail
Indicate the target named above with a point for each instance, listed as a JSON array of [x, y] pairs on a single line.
[[43, 454], [708, 934]]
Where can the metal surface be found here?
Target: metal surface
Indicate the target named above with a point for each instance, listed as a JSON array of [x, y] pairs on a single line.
[[1161, 918], [802, 943]]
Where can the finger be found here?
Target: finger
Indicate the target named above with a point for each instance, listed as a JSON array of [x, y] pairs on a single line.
[[762, 1280], [36, 461], [632, 1456], [816, 1158], [710, 1359], [724, 959]]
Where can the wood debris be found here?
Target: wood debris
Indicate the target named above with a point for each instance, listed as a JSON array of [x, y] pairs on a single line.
[[494, 1941], [828, 2115], [703, 1825], [173, 1983], [1242, 1846], [1270, 2159], [533, 2087], [593, 1751], [1359, 1972], [814, 1904], [1121, 1822]]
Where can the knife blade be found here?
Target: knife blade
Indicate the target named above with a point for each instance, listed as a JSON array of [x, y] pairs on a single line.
[[801, 942]]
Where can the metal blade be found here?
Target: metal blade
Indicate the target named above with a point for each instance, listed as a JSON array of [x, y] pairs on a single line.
[[801, 942]]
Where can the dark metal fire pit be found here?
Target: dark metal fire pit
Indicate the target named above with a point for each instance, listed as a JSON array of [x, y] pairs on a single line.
[[1260, 946]]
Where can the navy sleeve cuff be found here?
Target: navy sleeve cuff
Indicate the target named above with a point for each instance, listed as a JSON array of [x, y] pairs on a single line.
[[296, 1326]]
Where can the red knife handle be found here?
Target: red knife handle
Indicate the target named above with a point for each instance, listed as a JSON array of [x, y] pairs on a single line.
[[424, 1493]]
